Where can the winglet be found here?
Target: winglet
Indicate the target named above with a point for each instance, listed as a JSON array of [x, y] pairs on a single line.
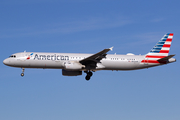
[[111, 48]]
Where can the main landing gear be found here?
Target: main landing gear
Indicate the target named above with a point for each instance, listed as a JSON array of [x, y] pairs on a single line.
[[22, 74], [89, 74]]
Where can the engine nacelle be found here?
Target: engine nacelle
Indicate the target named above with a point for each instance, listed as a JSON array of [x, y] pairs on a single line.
[[71, 73], [72, 65]]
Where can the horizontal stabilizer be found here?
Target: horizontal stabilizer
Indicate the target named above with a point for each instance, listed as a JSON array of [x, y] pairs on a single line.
[[166, 58]]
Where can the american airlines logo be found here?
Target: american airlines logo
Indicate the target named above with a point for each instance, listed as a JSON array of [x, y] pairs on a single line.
[[29, 56], [50, 57]]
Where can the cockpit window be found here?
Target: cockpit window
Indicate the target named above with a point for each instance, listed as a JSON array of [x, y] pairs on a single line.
[[12, 56]]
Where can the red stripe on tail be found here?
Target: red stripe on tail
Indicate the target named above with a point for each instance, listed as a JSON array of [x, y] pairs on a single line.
[[166, 45], [164, 51], [151, 56], [153, 61], [169, 40]]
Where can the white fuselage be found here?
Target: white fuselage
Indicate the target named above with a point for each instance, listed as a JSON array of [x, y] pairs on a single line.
[[57, 60]]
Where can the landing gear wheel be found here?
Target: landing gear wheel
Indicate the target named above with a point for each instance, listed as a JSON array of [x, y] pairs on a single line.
[[22, 74], [88, 77]]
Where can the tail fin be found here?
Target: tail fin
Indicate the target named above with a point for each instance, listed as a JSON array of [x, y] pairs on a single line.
[[160, 50], [163, 46]]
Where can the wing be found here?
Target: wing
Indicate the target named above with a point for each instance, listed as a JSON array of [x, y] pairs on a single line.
[[92, 60]]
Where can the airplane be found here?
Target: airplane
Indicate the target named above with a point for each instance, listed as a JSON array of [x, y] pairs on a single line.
[[72, 64]]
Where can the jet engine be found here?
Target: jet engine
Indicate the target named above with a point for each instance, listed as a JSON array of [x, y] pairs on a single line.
[[71, 73]]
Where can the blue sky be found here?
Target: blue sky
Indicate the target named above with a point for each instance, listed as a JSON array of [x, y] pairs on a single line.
[[88, 26]]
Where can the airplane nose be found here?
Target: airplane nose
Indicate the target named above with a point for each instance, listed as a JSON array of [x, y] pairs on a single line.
[[5, 62]]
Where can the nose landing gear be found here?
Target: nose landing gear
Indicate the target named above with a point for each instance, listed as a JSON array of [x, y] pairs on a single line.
[[22, 74], [89, 74]]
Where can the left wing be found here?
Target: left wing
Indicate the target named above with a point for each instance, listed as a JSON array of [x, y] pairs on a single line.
[[92, 60]]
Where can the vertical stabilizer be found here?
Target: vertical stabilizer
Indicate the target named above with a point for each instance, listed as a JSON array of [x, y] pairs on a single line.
[[163, 46], [160, 50]]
